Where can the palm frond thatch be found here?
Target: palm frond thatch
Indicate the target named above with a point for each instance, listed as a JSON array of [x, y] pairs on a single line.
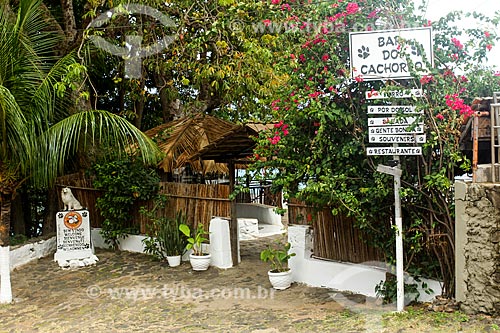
[[180, 139]]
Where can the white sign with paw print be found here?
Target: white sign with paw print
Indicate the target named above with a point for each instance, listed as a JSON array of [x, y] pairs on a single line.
[[380, 55]]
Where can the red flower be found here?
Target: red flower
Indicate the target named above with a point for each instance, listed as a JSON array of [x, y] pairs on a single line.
[[457, 43], [489, 47], [373, 14], [487, 34], [440, 116], [352, 8], [426, 79], [275, 2], [359, 78], [325, 57]]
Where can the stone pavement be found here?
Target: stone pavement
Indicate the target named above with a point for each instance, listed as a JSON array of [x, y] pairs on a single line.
[[129, 292]]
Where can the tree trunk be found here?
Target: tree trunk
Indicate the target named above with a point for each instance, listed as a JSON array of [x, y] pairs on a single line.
[[5, 210], [69, 24], [49, 225], [139, 105], [18, 218]]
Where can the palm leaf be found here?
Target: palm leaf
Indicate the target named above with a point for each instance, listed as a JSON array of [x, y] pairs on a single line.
[[95, 127]]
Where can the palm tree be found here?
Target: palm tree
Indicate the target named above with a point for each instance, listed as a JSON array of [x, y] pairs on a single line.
[[37, 134]]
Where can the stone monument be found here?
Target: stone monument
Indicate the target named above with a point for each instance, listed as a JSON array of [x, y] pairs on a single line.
[[74, 242]]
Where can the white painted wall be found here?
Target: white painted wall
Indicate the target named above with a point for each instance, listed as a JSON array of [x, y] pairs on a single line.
[[356, 278], [23, 254], [263, 213]]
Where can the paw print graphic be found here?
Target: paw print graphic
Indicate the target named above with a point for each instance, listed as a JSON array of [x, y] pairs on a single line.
[[415, 51], [364, 52]]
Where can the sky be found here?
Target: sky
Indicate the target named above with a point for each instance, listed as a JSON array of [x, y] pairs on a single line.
[[439, 8]]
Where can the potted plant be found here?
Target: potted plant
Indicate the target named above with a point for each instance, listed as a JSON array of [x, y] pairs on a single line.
[[277, 254], [199, 261], [164, 240]]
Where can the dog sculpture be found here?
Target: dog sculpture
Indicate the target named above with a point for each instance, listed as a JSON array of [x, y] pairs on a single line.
[[69, 201]]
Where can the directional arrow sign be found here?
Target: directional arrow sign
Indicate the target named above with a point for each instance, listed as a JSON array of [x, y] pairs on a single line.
[[375, 138], [394, 151], [393, 109], [403, 93], [396, 130], [390, 121]]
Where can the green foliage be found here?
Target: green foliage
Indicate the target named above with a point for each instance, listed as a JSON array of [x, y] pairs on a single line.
[[124, 182], [18, 239], [277, 254], [195, 238], [164, 237], [388, 290]]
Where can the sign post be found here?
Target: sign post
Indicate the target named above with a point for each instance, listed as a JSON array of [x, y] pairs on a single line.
[[382, 55], [396, 172]]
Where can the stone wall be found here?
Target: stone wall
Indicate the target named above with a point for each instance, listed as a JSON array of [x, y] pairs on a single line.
[[477, 247]]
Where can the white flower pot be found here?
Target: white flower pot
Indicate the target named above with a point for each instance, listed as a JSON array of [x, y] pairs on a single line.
[[200, 263], [174, 261], [280, 280]]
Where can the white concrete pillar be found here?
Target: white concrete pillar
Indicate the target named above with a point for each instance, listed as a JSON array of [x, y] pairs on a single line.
[[220, 244], [300, 238], [5, 286]]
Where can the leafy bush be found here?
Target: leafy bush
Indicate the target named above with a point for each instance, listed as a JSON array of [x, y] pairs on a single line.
[[164, 237], [124, 182]]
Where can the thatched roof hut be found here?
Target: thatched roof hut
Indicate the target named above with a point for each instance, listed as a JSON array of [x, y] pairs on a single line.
[[204, 142]]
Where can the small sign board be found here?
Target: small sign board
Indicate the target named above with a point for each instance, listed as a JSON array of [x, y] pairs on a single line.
[[401, 93], [409, 138], [395, 121], [380, 55], [393, 109], [372, 151], [396, 130], [74, 239]]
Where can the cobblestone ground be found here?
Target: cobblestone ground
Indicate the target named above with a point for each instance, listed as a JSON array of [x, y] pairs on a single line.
[[128, 292]]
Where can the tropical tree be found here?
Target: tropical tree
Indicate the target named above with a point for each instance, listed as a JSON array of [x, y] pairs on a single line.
[[37, 133]]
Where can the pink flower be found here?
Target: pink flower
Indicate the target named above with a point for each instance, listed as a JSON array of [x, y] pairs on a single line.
[[325, 57], [440, 116], [457, 43], [373, 14], [428, 24], [489, 47], [352, 8], [278, 125], [286, 7], [275, 2], [266, 22], [359, 78], [454, 56], [426, 79], [487, 34], [497, 73]]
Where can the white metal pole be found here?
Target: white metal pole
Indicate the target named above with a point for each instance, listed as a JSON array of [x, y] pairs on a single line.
[[399, 244]]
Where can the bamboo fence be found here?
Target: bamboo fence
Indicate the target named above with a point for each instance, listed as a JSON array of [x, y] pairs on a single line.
[[199, 202], [335, 236]]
